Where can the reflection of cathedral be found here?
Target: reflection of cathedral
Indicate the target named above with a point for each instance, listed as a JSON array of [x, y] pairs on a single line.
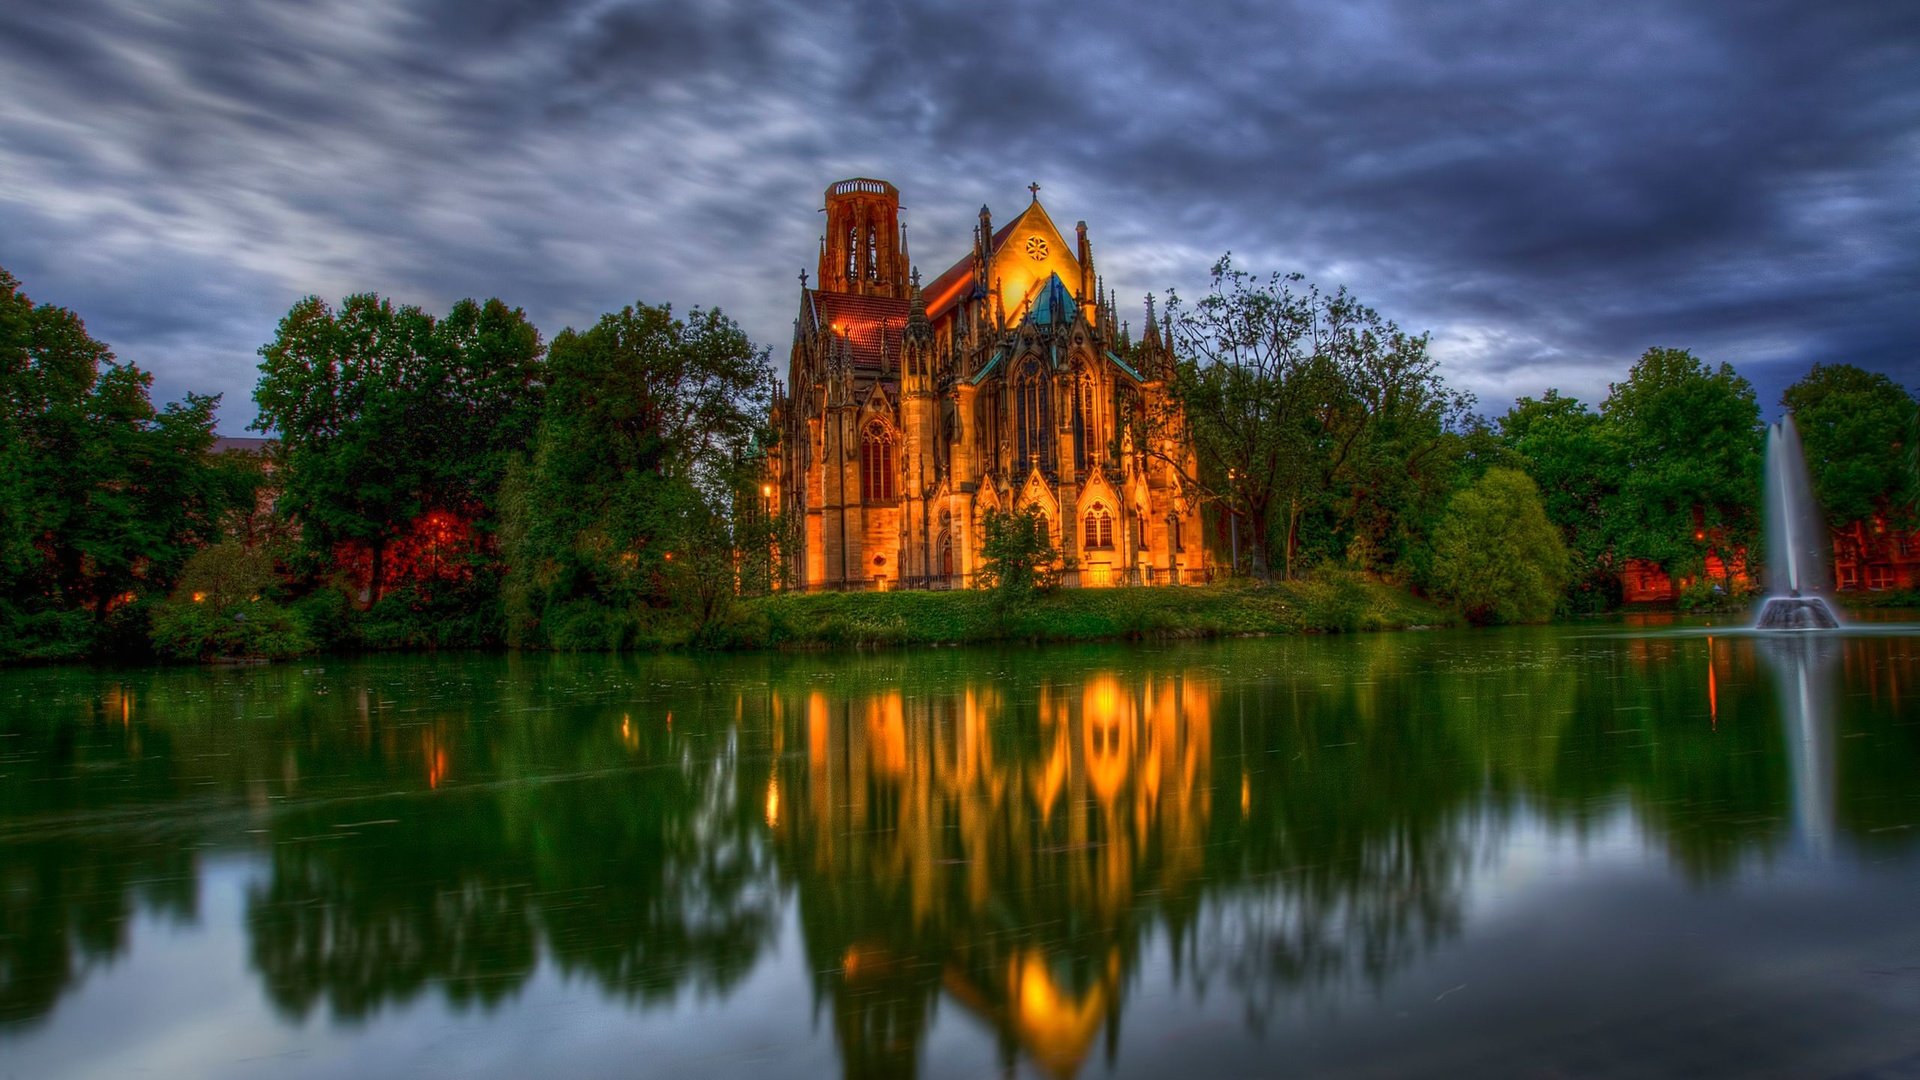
[[1008, 864], [1007, 383]]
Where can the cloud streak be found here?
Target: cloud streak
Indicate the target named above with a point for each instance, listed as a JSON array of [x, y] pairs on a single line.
[[1549, 190]]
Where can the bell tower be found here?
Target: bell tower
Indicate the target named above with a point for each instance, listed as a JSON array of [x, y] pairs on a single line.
[[864, 251]]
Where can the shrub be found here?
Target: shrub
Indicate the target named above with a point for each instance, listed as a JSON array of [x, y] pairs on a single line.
[[1017, 553], [223, 606], [42, 636], [260, 629], [1338, 599], [328, 619], [1495, 553]]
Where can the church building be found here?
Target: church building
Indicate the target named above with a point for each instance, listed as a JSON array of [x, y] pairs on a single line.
[[1007, 382]]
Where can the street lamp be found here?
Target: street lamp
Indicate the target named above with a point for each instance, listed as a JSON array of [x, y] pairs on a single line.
[[1233, 516]]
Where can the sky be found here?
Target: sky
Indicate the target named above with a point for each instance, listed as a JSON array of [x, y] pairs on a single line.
[[1548, 189]]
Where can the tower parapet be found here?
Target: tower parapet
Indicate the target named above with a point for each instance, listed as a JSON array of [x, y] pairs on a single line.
[[862, 252]]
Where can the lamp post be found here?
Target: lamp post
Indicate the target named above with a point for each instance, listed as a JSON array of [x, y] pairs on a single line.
[[1233, 516]]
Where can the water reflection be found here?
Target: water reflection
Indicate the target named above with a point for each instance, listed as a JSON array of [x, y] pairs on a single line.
[[1803, 668], [1032, 841], [1009, 852]]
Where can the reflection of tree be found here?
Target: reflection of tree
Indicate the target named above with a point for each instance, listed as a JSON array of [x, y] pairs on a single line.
[[641, 872], [381, 913], [1354, 839], [1008, 833], [70, 884]]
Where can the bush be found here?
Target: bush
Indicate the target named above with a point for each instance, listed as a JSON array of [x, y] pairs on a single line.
[[327, 616], [44, 636], [435, 615], [1337, 599], [1017, 553], [1496, 555], [224, 607], [253, 630]]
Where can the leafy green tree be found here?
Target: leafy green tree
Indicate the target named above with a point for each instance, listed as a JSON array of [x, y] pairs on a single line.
[[1496, 554], [1306, 410], [1689, 445], [1016, 552], [384, 415], [632, 470], [1860, 430], [102, 497], [1565, 447]]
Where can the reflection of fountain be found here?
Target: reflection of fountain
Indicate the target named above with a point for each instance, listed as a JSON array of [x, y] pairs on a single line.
[[1803, 671], [1795, 540]]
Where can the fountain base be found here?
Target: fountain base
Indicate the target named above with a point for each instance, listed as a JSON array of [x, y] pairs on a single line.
[[1796, 613]]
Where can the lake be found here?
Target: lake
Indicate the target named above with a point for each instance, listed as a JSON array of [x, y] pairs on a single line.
[[1599, 850]]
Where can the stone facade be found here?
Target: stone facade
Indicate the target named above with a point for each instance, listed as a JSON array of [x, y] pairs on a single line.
[[1007, 382]]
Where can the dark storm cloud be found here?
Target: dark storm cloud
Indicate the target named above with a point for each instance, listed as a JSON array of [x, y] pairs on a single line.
[[1550, 189]]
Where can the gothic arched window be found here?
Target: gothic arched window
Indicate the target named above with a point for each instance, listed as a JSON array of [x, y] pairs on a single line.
[[1098, 530], [1086, 423], [876, 463], [1033, 408]]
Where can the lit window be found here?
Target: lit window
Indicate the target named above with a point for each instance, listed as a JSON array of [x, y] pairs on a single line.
[[1099, 527], [876, 463]]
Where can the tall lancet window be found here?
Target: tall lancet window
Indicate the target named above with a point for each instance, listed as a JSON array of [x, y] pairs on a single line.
[[876, 462], [1033, 410], [1086, 423], [873, 255], [853, 254]]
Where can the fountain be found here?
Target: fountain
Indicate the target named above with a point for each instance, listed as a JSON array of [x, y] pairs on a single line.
[[1796, 540]]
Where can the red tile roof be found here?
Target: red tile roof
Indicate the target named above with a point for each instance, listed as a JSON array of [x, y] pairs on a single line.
[[871, 323]]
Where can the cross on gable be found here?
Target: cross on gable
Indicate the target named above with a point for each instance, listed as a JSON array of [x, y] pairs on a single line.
[[1035, 188]]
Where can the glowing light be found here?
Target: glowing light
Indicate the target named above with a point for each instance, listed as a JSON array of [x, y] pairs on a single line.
[[1713, 690], [436, 760], [1246, 794], [199, 597], [1058, 1026], [773, 802], [766, 491]]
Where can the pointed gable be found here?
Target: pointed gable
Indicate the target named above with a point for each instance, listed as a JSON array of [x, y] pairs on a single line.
[[1032, 252]]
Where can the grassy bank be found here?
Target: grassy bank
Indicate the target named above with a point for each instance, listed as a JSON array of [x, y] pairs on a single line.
[[842, 620]]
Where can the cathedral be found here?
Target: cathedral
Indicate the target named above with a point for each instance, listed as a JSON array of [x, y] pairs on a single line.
[[1005, 383]]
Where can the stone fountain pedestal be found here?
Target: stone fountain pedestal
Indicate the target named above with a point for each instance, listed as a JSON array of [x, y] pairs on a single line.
[[1796, 613]]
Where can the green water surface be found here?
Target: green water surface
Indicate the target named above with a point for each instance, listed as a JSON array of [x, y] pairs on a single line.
[[1601, 850]]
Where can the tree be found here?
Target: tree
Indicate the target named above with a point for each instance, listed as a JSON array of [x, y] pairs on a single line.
[[102, 497], [384, 415], [1566, 449], [1016, 552], [624, 502], [1689, 446], [1302, 406], [1495, 552], [1860, 430]]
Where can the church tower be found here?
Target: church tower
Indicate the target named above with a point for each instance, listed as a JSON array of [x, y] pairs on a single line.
[[864, 251]]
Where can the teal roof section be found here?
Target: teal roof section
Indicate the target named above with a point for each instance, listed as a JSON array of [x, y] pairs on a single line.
[[1124, 366], [1054, 306], [989, 367]]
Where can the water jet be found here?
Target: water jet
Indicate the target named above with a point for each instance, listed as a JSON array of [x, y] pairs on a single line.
[[1796, 540]]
